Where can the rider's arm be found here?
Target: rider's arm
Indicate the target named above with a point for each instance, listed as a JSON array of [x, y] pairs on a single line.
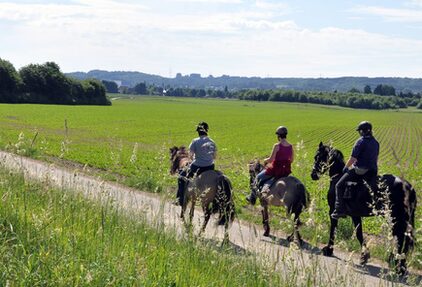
[[350, 162], [357, 149], [192, 150], [293, 156], [272, 157]]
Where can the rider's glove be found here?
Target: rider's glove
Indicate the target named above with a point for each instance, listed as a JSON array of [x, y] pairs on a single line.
[[345, 169]]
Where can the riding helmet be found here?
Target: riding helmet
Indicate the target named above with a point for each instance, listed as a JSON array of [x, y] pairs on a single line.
[[202, 127], [281, 130], [364, 126]]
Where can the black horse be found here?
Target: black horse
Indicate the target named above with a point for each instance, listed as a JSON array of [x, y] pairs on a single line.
[[393, 192]]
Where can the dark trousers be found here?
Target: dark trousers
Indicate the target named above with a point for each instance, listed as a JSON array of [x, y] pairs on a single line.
[[189, 173], [370, 177]]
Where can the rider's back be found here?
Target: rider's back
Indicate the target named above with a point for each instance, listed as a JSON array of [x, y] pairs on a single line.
[[204, 149], [281, 166]]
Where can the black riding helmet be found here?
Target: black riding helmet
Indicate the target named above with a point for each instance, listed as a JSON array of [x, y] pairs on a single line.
[[281, 130], [202, 127], [364, 126]]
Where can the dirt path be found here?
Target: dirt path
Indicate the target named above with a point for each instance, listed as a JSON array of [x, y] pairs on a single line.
[[273, 251]]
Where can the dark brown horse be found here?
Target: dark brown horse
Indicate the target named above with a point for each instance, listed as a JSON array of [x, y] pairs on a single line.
[[395, 197], [211, 187], [286, 191]]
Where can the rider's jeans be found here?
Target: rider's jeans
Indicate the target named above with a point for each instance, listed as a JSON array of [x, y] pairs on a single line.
[[262, 178]]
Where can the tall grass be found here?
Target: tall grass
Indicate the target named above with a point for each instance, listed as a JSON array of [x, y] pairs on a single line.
[[54, 238]]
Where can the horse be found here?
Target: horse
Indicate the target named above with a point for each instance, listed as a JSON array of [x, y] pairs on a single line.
[[212, 187], [288, 191], [394, 194]]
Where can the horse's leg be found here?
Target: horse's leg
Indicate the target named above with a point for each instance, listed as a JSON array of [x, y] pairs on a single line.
[[295, 236], [329, 249], [364, 255], [226, 233], [207, 215], [192, 209], [226, 230], [265, 218], [399, 230], [183, 209]]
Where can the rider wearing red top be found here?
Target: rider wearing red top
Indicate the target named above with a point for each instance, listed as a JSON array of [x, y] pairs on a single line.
[[279, 163]]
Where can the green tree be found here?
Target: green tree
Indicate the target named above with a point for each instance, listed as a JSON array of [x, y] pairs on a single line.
[[46, 83], [354, 90], [10, 82], [94, 92], [111, 87], [367, 89], [385, 90], [140, 89]]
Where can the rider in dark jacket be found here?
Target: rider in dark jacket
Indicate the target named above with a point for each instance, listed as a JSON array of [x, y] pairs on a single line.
[[363, 163]]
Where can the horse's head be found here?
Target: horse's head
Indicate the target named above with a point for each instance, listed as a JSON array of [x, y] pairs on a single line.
[[321, 161], [255, 167], [176, 156]]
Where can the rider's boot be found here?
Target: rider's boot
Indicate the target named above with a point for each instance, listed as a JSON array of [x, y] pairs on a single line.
[[180, 196], [252, 197], [339, 211]]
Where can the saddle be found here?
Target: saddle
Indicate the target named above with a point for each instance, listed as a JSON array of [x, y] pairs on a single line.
[[353, 188], [356, 187]]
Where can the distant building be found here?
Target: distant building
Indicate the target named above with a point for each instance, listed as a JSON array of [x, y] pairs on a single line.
[[124, 89]]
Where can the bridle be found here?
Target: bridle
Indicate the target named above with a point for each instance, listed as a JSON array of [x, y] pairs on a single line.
[[320, 167]]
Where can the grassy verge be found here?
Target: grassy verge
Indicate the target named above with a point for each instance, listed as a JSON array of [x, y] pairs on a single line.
[[56, 238]]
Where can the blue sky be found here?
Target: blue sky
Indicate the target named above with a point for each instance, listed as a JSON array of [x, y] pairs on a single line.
[[233, 37]]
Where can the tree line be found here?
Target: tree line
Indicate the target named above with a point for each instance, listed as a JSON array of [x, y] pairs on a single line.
[[197, 81], [46, 84], [383, 97]]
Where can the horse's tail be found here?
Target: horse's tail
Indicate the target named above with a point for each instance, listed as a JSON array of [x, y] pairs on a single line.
[[410, 202], [304, 195], [223, 202], [300, 201]]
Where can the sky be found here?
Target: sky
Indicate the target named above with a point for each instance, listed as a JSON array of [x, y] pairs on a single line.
[[263, 38]]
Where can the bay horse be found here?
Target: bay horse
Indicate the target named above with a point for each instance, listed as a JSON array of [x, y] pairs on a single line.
[[394, 195], [212, 188], [288, 191]]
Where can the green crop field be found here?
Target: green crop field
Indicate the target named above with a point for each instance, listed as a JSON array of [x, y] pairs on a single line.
[[129, 142]]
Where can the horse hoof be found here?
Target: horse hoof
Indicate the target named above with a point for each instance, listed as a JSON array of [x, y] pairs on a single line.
[[267, 233], [298, 242], [290, 238], [401, 267], [364, 257], [328, 251], [401, 271]]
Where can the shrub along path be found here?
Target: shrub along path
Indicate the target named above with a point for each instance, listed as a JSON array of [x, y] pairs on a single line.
[[305, 266]]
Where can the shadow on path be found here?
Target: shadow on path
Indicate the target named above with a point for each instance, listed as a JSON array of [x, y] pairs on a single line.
[[368, 269]]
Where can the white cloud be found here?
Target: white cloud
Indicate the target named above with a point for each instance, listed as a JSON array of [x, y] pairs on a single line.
[[271, 5], [392, 14], [417, 3], [122, 36], [212, 1]]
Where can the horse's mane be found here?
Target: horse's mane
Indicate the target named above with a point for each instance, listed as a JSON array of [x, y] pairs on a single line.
[[336, 154], [176, 155]]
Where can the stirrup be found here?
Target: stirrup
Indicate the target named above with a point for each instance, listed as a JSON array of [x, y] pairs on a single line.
[[337, 215]]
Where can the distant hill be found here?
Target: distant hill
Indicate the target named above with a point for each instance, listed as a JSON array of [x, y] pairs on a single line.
[[342, 84]]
